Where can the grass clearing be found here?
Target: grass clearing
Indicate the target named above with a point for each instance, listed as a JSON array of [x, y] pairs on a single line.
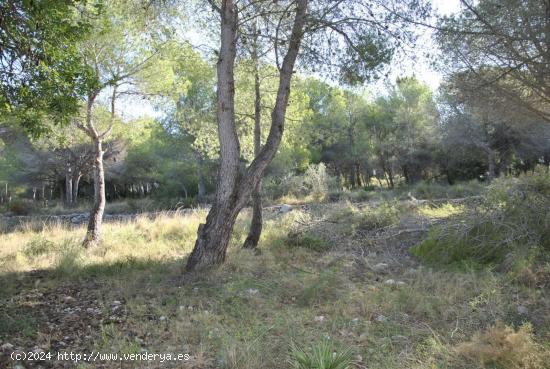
[[286, 306]]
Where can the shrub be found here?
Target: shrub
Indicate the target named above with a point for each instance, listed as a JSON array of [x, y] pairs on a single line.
[[503, 347], [513, 220], [315, 182], [22, 207], [359, 195], [307, 240], [327, 286], [321, 356], [427, 190], [38, 246]]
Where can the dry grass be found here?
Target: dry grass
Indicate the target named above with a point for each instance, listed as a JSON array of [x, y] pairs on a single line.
[[504, 347], [251, 311]]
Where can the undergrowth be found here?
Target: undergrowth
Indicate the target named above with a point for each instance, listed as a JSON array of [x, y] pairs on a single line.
[[303, 301], [510, 227]]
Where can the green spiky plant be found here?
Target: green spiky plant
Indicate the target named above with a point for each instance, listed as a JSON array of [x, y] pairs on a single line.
[[320, 356]]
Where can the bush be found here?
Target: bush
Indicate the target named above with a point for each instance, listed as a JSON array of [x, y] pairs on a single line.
[[427, 190], [352, 196], [307, 240], [513, 220], [316, 182], [38, 246], [22, 207], [321, 356]]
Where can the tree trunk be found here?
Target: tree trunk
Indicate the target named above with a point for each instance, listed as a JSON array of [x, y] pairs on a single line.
[[358, 174], [255, 230], [76, 184], [390, 178], [93, 234], [213, 237], [68, 185], [61, 192], [234, 190], [491, 164]]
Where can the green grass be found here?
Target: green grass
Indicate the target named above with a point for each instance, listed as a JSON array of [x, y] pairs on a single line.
[[264, 310]]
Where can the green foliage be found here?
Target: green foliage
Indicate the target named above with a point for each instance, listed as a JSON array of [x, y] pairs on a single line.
[[321, 356], [367, 218], [316, 182], [38, 246], [307, 240], [431, 190], [327, 286], [42, 73], [510, 226], [22, 207]]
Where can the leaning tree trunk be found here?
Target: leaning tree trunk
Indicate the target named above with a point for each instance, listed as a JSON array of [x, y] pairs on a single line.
[[234, 189], [255, 230], [93, 234]]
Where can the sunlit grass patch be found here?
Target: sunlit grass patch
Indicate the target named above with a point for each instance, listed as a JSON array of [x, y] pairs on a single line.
[[442, 211], [247, 312]]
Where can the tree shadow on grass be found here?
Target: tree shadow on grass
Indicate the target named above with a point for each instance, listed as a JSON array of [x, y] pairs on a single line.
[[31, 301]]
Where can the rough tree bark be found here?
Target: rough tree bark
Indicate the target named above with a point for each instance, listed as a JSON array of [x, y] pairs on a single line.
[[93, 233], [234, 189], [255, 230]]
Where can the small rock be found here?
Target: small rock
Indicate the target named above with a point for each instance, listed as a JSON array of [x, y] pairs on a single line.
[[252, 291], [390, 282], [380, 267], [6, 347], [116, 302], [355, 320], [62, 344], [522, 310], [181, 307], [319, 318], [381, 318], [68, 299], [285, 208], [162, 318]]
